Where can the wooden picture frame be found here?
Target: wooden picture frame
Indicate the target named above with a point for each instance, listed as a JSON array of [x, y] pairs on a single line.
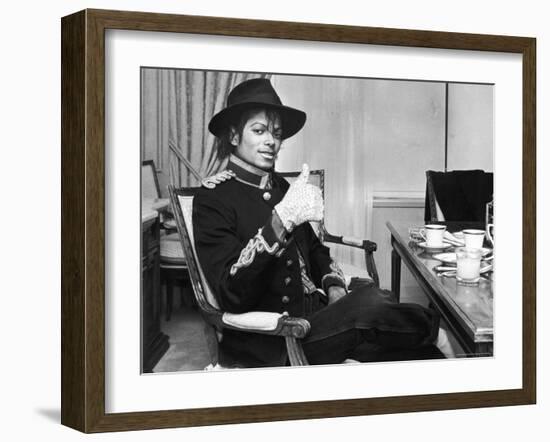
[[83, 219]]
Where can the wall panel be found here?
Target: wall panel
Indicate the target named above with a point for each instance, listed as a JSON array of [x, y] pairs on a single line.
[[470, 127]]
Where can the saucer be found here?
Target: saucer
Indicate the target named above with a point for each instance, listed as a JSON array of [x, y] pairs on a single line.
[[458, 235], [449, 258], [432, 248], [485, 251], [446, 258]]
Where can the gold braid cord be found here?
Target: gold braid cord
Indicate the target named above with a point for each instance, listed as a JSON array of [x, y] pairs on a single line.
[[256, 245]]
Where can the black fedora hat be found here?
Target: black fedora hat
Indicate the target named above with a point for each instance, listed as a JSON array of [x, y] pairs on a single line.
[[256, 93]]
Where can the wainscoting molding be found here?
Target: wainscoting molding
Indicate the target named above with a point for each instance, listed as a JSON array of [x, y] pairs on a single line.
[[404, 208]]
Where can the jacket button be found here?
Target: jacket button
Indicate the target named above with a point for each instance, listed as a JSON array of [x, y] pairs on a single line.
[[288, 280], [289, 262], [266, 196], [285, 299]]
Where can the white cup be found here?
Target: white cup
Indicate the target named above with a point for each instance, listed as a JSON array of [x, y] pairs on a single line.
[[467, 265], [434, 235], [473, 238]]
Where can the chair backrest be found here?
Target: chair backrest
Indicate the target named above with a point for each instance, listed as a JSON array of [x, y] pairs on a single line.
[[150, 188], [460, 194], [182, 206], [317, 178]]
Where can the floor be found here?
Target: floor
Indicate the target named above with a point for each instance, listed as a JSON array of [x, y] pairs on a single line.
[[187, 334]]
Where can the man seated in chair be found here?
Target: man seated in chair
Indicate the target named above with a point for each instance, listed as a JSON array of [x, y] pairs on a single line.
[[259, 252]]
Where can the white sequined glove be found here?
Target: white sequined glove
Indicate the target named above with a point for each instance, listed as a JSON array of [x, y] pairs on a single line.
[[303, 202]]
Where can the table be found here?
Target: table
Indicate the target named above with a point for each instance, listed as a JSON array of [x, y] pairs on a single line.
[[468, 310], [154, 343]]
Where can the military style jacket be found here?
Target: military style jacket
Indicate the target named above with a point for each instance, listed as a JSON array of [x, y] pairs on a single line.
[[252, 263]]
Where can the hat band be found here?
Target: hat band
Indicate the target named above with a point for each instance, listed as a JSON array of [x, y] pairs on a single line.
[[264, 98]]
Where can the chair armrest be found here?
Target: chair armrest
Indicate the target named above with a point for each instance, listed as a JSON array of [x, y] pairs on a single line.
[[261, 321], [369, 247], [279, 324], [365, 244]]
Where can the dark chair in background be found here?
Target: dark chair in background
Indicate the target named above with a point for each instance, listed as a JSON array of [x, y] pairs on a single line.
[[173, 263], [458, 196]]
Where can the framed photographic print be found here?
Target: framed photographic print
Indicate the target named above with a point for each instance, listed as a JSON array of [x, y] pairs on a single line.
[[209, 277]]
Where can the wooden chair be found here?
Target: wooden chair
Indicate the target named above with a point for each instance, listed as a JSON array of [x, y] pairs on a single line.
[[173, 263], [317, 177], [289, 328]]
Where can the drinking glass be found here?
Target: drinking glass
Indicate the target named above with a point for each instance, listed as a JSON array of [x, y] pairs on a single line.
[[467, 265]]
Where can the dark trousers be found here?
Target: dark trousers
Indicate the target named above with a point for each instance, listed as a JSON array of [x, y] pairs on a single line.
[[368, 325]]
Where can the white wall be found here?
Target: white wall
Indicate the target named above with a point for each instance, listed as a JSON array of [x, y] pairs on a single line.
[[374, 128], [470, 137], [30, 82]]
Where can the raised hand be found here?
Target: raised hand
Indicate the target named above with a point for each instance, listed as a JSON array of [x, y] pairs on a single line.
[[303, 202]]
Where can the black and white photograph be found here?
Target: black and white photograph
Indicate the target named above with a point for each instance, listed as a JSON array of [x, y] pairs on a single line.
[[300, 220]]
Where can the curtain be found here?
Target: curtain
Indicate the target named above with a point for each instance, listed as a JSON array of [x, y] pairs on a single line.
[[177, 106]]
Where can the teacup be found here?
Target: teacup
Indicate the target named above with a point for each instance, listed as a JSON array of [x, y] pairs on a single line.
[[473, 238], [434, 235]]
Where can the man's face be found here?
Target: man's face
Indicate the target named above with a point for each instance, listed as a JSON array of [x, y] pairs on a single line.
[[260, 141]]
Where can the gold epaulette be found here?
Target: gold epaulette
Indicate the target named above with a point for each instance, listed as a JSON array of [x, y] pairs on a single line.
[[212, 181]]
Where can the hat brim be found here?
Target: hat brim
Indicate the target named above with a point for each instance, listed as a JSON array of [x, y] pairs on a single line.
[[292, 120]]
